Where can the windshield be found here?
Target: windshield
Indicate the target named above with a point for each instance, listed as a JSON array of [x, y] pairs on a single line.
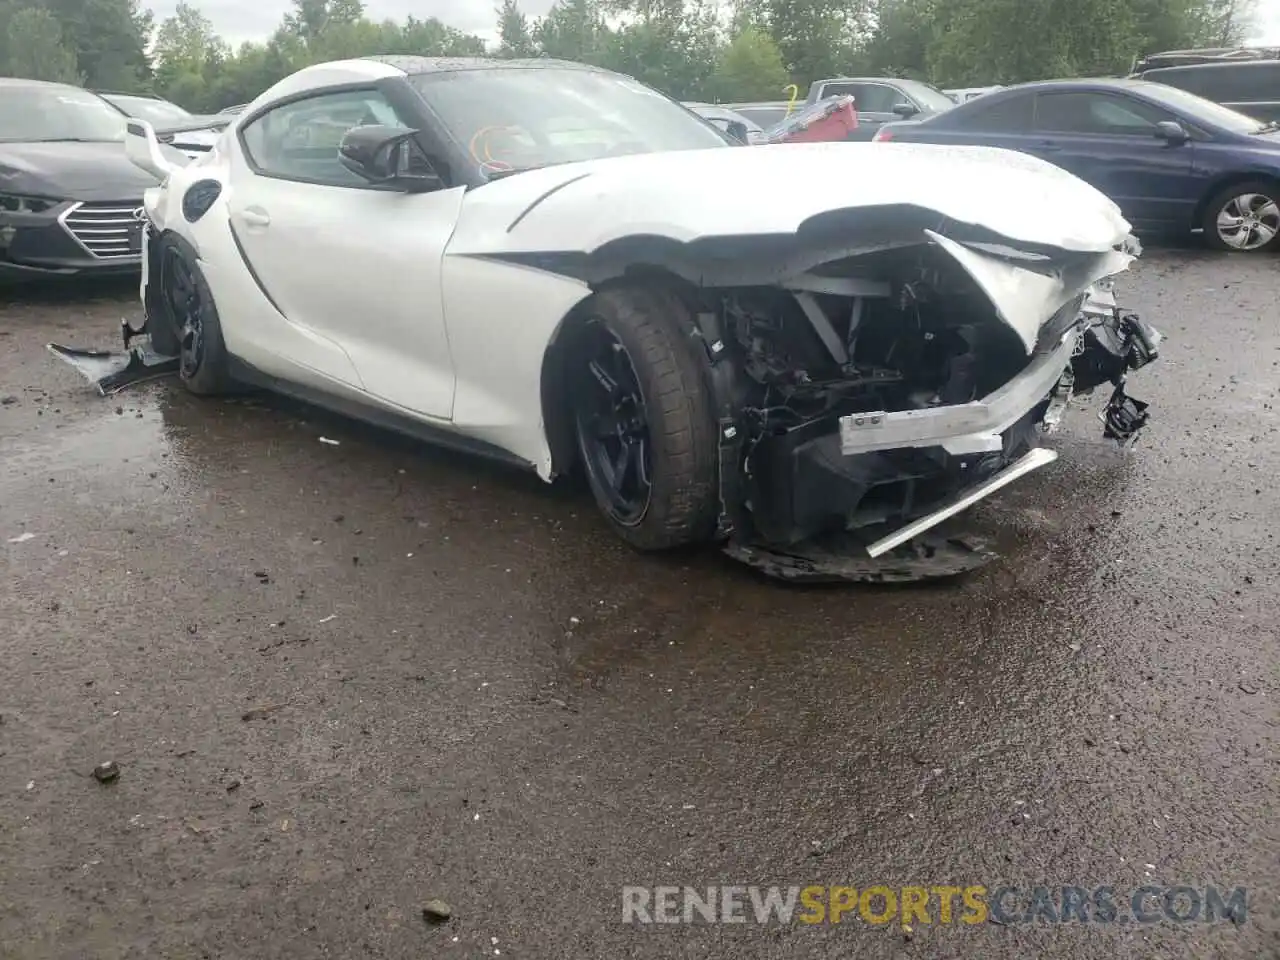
[[153, 111], [1198, 108], [518, 118], [40, 114], [927, 96]]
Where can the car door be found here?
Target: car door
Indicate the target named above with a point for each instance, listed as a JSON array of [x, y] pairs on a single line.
[[1111, 141], [347, 260]]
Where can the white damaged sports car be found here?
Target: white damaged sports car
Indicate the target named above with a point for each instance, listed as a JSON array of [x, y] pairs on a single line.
[[811, 354]]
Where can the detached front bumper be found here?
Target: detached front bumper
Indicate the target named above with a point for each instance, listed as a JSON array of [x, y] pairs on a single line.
[[859, 499], [71, 238]]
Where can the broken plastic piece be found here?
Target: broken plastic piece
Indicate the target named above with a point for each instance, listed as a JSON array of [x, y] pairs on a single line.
[[927, 557], [1033, 460], [111, 372], [1123, 417]]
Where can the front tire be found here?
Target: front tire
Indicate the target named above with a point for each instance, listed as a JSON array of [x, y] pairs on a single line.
[[1244, 217], [190, 318], [643, 419]]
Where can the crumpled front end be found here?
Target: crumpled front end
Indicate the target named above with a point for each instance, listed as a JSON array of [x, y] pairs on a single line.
[[871, 397]]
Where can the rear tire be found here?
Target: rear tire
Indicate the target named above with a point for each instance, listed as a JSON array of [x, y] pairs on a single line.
[[1244, 217], [189, 318], [643, 418]]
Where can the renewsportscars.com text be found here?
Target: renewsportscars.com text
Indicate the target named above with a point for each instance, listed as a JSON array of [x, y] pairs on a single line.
[[942, 904]]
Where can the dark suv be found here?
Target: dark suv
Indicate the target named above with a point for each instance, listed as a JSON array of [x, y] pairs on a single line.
[[1249, 86]]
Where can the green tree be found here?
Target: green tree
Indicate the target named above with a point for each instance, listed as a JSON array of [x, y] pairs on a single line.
[[188, 55], [750, 68], [573, 30], [817, 38], [904, 32], [35, 48], [672, 53], [108, 40], [514, 38]]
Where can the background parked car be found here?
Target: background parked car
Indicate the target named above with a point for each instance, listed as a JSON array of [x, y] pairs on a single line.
[[877, 100], [70, 199], [725, 119], [1169, 159], [234, 110], [170, 121], [881, 100], [1250, 86], [1180, 58]]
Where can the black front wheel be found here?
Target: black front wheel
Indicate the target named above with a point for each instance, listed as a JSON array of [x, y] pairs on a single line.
[[187, 309], [643, 419]]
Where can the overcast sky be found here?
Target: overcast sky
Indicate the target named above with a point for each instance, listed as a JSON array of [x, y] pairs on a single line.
[[240, 20]]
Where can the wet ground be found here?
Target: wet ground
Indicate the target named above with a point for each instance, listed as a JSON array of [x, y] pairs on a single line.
[[340, 681]]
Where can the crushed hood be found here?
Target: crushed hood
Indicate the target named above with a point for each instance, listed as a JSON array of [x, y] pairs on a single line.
[[775, 189]]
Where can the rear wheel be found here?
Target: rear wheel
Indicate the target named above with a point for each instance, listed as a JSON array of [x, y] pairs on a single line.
[[643, 419], [1245, 217], [187, 308]]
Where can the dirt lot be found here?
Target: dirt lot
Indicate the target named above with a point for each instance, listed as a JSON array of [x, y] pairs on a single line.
[[340, 681]]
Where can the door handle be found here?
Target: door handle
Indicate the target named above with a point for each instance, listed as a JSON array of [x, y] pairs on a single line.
[[254, 217]]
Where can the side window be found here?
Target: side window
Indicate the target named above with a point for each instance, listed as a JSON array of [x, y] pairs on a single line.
[[830, 90], [1095, 113], [299, 140], [1192, 81], [877, 98], [1011, 115], [1245, 82], [1268, 86]]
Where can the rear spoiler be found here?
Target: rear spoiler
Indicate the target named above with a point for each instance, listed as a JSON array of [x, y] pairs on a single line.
[[143, 149]]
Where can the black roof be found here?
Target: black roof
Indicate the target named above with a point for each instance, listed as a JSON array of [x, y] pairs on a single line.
[[416, 65]]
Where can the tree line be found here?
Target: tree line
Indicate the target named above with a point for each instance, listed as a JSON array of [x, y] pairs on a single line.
[[690, 49]]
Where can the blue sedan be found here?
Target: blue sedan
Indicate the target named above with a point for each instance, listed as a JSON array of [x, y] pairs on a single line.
[[1172, 161]]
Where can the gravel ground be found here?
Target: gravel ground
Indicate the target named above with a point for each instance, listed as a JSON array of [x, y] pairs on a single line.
[[340, 681]]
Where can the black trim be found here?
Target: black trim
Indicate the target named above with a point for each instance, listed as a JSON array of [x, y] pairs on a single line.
[[315, 94], [560, 186], [374, 416], [199, 197], [235, 237], [397, 93]]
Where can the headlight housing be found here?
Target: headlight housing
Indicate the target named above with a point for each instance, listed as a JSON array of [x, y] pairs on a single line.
[[19, 203]]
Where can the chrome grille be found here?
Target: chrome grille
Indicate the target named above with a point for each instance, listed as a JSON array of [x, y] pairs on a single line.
[[109, 231]]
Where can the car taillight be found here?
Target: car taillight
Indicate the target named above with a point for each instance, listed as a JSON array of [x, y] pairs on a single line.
[[882, 135]]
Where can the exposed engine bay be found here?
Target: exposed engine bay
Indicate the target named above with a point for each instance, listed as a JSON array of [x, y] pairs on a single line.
[[879, 390]]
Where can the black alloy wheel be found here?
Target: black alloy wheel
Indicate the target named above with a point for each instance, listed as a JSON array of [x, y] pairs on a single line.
[[612, 425], [185, 304]]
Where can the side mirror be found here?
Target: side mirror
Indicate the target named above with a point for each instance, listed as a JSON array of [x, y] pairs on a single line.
[[738, 130], [1172, 132], [905, 110], [385, 154]]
